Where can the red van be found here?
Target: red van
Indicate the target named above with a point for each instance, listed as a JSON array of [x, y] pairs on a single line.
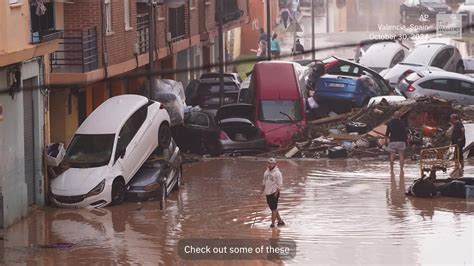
[[275, 93]]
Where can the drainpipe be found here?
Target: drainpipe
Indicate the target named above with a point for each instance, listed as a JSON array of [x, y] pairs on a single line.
[[104, 45]]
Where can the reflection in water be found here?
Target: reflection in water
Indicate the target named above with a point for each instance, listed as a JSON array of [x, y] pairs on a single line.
[[336, 211]]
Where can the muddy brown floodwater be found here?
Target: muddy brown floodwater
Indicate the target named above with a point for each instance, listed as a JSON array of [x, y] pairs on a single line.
[[338, 212]]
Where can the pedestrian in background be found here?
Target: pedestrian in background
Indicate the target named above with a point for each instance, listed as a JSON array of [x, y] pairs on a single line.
[[261, 51], [262, 36], [285, 16], [398, 140], [458, 136], [275, 47], [299, 49], [271, 186]]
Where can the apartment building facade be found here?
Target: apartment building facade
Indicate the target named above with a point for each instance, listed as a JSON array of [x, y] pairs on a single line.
[[29, 32], [109, 40]]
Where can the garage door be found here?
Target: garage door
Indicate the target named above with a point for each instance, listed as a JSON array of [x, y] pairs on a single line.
[[28, 121]]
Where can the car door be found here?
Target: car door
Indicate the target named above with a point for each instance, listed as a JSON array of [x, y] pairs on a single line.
[[198, 131], [438, 88], [466, 92], [127, 153]]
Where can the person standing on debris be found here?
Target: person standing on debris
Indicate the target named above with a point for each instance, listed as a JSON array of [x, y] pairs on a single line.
[[458, 136], [271, 186], [275, 47], [398, 140]]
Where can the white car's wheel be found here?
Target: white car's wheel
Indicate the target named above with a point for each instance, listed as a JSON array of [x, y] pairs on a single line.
[[164, 136], [118, 191]]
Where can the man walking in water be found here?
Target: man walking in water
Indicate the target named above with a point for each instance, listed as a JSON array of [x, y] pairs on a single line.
[[271, 186], [398, 139]]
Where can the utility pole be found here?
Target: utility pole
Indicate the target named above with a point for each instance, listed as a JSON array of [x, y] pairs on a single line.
[[313, 41], [221, 54], [269, 29], [327, 16], [151, 46]]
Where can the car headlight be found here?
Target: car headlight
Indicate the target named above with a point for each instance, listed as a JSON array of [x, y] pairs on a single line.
[[97, 189]]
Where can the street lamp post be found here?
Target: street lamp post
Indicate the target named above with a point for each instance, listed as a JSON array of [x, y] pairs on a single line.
[[221, 54], [151, 45], [313, 44], [269, 39]]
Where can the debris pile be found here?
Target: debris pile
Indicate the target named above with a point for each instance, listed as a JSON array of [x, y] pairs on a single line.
[[361, 133]]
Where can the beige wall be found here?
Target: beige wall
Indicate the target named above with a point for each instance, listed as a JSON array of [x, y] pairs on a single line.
[[63, 125], [16, 27]]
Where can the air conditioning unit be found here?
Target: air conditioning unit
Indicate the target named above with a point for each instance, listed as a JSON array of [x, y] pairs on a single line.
[[135, 48]]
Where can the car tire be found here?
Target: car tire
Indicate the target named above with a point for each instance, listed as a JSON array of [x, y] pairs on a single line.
[[164, 136], [178, 178], [460, 68], [118, 192], [358, 127]]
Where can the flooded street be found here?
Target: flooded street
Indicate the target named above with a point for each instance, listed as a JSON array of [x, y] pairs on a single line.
[[356, 214]]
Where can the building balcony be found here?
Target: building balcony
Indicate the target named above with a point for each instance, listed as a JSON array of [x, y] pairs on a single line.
[[230, 12], [77, 52]]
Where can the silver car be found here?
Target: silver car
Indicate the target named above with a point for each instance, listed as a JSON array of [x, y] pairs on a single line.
[[445, 85], [439, 55], [383, 55]]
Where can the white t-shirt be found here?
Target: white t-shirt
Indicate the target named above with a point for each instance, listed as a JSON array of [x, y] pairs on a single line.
[[272, 180]]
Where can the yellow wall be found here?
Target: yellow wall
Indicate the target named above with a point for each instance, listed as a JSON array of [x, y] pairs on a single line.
[[63, 125]]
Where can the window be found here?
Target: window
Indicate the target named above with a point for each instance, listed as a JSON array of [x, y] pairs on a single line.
[[466, 88], [198, 119], [130, 129], [126, 10], [177, 22], [397, 58], [442, 58], [108, 16], [280, 111], [437, 85]]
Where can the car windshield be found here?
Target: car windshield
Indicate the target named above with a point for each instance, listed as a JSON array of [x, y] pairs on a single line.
[[214, 88], [280, 111], [90, 150], [421, 55]]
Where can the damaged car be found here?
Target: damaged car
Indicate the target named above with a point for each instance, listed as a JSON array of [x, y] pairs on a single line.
[[229, 130], [108, 149], [158, 176]]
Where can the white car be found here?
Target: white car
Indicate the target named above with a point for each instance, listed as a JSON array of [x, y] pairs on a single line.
[[108, 149], [445, 85], [466, 7], [383, 55], [430, 55]]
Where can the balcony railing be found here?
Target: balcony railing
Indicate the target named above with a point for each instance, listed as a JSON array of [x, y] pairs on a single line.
[[230, 12], [143, 33], [77, 52]]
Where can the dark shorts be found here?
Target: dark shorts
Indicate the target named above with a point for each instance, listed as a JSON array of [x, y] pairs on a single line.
[[272, 201]]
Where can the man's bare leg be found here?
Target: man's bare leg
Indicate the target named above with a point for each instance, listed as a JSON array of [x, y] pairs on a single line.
[[402, 161], [274, 216], [392, 158], [278, 217]]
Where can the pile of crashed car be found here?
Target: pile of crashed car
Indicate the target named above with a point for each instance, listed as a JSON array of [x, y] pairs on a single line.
[[131, 147]]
